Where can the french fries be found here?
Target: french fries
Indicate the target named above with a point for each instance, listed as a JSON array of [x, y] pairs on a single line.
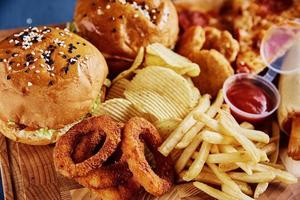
[[212, 111], [260, 188], [227, 189], [214, 192], [198, 163], [170, 143], [216, 140], [228, 126], [256, 177], [240, 156]]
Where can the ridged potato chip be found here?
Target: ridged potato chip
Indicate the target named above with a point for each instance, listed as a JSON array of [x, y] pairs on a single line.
[[136, 64], [161, 92], [166, 127], [119, 109], [152, 102], [117, 89], [157, 54]]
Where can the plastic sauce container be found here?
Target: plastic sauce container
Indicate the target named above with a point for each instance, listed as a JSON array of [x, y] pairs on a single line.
[[252, 97]]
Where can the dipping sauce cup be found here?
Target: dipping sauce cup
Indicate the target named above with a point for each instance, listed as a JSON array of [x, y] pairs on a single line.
[[253, 98], [250, 97]]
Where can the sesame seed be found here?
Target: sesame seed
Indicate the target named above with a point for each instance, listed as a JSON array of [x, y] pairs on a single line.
[[42, 65], [61, 53], [11, 41], [135, 15], [9, 68], [37, 71], [4, 60], [52, 74], [29, 84], [99, 11], [18, 64], [108, 7]]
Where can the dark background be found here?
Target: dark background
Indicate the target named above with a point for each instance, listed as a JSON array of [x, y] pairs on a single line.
[[19, 13], [23, 13]]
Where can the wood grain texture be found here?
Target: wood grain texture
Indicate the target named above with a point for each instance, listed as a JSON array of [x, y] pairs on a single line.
[[29, 173]]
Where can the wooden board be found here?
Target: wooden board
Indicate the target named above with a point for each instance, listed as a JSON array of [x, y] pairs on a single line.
[[28, 174]]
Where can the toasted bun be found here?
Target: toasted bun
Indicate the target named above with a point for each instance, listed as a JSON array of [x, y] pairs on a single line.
[[49, 78], [119, 28]]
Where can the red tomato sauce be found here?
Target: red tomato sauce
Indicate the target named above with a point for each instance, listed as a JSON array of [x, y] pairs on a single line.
[[249, 97]]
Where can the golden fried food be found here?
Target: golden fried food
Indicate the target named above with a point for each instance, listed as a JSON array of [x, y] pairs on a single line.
[[215, 69], [197, 38], [221, 41], [126, 191], [191, 41], [138, 131], [106, 127]]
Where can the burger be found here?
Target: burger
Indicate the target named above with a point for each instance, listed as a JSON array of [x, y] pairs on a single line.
[[50, 79], [119, 28]]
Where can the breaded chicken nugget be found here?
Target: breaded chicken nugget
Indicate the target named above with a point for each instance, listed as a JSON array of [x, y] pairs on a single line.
[[215, 69], [221, 41], [191, 41]]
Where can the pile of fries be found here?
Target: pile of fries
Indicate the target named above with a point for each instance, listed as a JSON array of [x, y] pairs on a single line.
[[212, 149]]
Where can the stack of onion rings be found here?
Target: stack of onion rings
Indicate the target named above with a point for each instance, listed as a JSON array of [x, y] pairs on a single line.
[[93, 154]]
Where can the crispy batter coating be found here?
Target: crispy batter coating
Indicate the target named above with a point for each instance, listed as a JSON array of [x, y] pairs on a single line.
[[125, 191], [191, 41], [138, 131], [106, 128], [221, 41], [196, 38], [214, 62], [215, 69]]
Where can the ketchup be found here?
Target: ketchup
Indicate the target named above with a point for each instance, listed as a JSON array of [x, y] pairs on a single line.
[[249, 97]]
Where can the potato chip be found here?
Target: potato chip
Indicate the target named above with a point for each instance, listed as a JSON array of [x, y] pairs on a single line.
[[117, 89], [157, 54], [136, 64], [119, 109], [166, 127], [161, 92], [152, 102]]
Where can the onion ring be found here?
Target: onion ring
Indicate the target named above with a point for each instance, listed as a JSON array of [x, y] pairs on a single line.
[[126, 191], [113, 173], [136, 131], [105, 127]]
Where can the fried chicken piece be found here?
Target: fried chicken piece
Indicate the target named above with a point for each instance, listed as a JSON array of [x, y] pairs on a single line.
[[221, 41], [215, 69], [197, 38], [191, 41]]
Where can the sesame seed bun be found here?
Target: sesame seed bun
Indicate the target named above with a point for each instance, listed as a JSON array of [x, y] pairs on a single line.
[[49, 78], [119, 28]]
